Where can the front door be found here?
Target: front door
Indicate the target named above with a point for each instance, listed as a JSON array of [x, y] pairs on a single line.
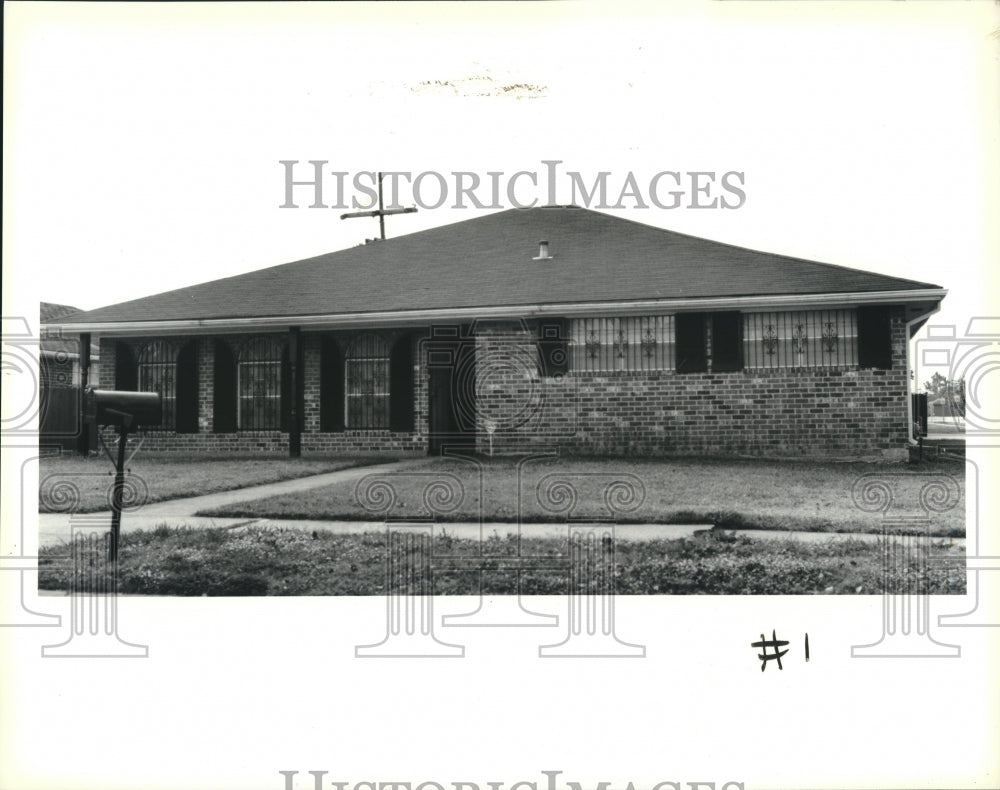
[[451, 364]]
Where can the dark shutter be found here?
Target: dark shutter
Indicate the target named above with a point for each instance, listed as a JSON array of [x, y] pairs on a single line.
[[401, 385], [224, 391], [187, 388], [126, 372], [553, 346], [331, 386], [874, 337], [690, 330], [727, 342]]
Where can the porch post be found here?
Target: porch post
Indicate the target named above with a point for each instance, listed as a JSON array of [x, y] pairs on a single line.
[[297, 391], [84, 429]]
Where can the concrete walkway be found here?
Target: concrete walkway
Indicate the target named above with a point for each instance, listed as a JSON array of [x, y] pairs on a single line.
[[467, 530]]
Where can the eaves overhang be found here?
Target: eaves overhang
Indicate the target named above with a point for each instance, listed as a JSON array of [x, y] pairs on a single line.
[[929, 296]]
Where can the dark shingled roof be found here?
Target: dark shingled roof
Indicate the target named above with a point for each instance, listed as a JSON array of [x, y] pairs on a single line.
[[50, 312], [487, 262]]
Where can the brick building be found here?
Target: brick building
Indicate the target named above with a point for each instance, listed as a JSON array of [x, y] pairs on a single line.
[[60, 357], [59, 380], [543, 327]]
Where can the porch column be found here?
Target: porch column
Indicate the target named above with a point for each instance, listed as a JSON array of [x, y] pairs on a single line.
[[297, 391], [84, 429]]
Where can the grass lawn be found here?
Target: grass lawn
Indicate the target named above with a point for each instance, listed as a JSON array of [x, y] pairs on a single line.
[[270, 561], [730, 493], [68, 480]]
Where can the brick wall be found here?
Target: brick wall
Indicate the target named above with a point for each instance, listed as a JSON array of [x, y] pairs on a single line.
[[106, 375], [843, 412], [788, 412], [206, 384], [248, 442]]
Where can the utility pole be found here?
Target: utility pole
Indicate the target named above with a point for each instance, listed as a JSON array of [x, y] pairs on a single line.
[[380, 212]]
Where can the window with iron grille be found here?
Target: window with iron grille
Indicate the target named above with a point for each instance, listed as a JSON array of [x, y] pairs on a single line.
[[634, 343], [157, 372], [366, 370], [808, 339], [258, 373]]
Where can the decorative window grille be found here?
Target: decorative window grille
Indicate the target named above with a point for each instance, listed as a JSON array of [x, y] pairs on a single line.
[[623, 344], [258, 373], [814, 339], [157, 372], [366, 367]]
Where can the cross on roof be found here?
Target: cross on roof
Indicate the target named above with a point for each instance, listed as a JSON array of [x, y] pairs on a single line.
[[380, 212]]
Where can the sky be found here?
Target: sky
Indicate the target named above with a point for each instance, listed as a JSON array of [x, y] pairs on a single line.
[[142, 150]]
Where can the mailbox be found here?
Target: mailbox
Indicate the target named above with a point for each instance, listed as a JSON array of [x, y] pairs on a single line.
[[122, 409]]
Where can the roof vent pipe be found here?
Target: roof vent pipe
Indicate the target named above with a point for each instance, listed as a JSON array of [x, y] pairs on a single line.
[[543, 252]]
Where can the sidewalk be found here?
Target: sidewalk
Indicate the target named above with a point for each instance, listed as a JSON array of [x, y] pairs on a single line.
[[54, 534], [472, 531]]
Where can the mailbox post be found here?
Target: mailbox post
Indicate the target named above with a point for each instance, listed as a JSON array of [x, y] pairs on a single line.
[[126, 411]]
